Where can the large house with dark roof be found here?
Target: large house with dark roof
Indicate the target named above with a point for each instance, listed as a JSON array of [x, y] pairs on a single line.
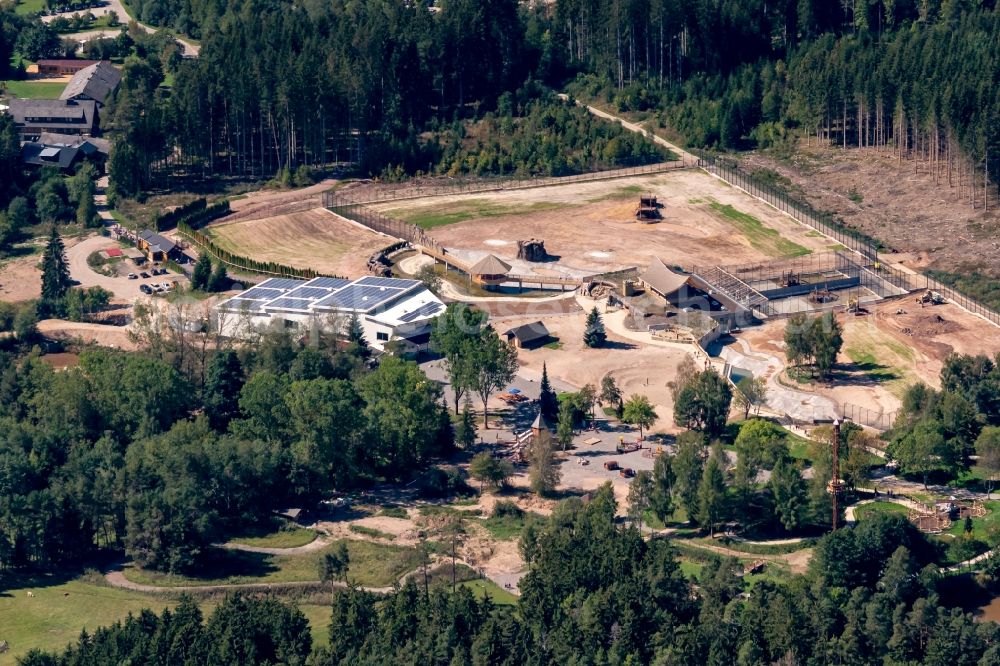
[[94, 83], [34, 116]]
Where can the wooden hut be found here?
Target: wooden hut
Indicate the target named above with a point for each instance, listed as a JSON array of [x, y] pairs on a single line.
[[489, 271]]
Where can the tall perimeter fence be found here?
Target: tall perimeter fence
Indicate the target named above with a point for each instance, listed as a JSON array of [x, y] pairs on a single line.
[[853, 240], [455, 186]]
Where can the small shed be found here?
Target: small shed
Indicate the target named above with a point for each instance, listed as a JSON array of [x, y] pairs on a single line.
[[526, 335], [489, 271]]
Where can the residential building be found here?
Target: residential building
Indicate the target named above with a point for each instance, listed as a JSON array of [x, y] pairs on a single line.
[[155, 246], [35, 116], [95, 83]]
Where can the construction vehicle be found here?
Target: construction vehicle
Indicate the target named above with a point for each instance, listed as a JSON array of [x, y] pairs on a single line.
[[932, 297]]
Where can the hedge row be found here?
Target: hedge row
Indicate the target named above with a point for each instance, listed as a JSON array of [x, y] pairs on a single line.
[[245, 263], [169, 220]]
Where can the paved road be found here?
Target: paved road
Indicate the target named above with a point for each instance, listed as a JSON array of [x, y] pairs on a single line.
[[116, 7]]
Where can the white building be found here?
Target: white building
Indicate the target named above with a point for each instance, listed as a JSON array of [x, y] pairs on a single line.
[[388, 308]]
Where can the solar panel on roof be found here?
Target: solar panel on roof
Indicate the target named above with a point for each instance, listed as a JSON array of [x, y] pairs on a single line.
[[328, 283], [424, 310], [286, 303], [244, 304], [281, 283], [311, 293], [262, 293], [356, 297], [391, 283]]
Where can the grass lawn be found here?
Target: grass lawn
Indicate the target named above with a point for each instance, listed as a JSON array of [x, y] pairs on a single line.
[[276, 535], [60, 609], [371, 532], [881, 358], [372, 564], [762, 238], [691, 569], [25, 7], [983, 527], [33, 89], [319, 622], [505, 528], [487, 588], [439, 215], [868, 510]]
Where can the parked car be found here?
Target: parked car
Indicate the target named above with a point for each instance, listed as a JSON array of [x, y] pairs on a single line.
[[144, 275], [145, 288], [133, 276]]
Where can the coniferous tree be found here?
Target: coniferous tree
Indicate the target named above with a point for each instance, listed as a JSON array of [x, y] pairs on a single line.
[[223, 382], [594, 334], [202, 272], [357, 344], [218, 280], [55, 273], [548, 402]]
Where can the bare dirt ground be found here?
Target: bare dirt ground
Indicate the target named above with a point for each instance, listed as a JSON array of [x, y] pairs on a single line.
[[268, 202], [314, 239], [637, 368], [894, 350], [595, 230], [100, 334], [20, 279], [898, 202]]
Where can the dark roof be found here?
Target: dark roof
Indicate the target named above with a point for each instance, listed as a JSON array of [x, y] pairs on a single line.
[[157, 242], [60, 114], [527, 332], [40, 154], [663, 280], [95, 82], [89, 145]]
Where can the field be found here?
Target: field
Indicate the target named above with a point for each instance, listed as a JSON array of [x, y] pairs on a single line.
[[33, 89], [313, 239], [590, 226], [372, 564], [60, 609]]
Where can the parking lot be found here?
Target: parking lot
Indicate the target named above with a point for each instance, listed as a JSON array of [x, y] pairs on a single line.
[[118, 284]]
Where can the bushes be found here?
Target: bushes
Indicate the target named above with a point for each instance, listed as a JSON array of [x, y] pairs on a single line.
[[195, 214]]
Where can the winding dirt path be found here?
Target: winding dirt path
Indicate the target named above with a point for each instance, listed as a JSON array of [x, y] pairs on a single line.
[[318, 543]]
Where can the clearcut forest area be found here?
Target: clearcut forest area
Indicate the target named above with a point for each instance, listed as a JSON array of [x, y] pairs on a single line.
[[499, 333]]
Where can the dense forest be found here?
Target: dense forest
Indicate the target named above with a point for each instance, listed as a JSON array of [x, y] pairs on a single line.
[[384, 82], [160, 454], [596, 593]]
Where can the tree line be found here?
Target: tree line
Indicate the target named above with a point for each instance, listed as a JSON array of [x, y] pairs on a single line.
[[597, 592]]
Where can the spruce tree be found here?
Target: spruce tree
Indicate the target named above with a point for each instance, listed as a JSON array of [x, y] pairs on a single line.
[[594, 334], [356, 338], [202, 272], [218, 280], [548, 403], [55, 273]]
